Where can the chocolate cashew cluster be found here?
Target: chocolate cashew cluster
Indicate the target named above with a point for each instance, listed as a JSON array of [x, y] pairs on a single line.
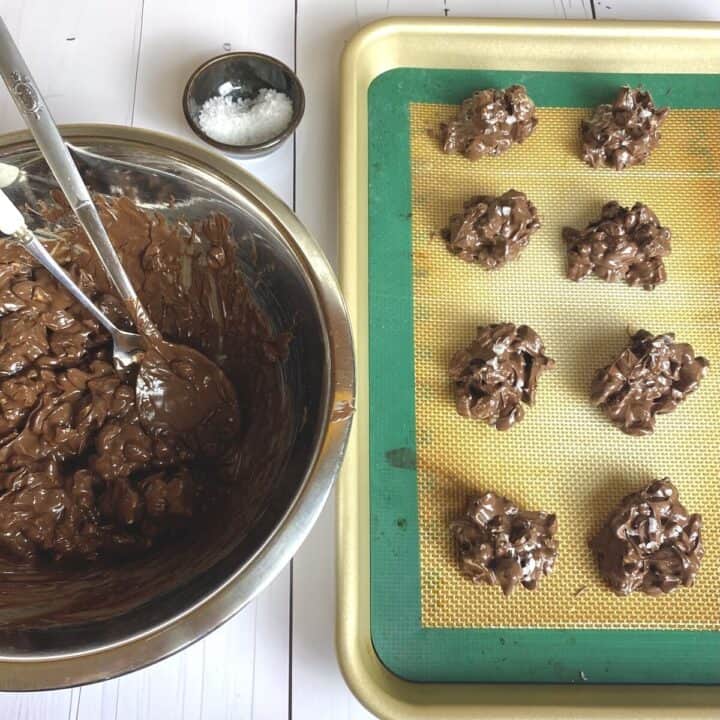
[[622, 134], [650, 377], [626, 244], [490, 122], [497, 373], [492, 230], [502, 545], [649, 542]]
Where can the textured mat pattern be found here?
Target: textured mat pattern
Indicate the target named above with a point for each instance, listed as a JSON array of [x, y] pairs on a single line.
[[565, 457]]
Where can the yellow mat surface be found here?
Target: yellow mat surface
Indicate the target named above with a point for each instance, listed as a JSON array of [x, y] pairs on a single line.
[[565, 457]]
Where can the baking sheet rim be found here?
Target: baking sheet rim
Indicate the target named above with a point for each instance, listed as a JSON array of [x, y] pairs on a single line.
[[416, 42]]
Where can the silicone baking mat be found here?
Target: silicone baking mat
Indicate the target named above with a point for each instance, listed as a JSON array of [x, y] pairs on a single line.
[[428, 621]]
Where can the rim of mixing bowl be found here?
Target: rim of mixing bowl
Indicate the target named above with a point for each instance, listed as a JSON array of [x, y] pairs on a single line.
[[256, 149], [102, 661]]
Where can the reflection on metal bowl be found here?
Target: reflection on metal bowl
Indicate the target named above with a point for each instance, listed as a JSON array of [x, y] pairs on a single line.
[[65, 627]]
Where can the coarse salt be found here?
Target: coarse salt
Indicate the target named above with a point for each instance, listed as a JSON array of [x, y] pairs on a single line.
[[246, 121]]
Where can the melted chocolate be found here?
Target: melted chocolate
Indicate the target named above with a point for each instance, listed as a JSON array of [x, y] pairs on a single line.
[[502, 545], [624, 244], [493, 230], [81, 476], [625, 133], [649, 542], [497, 373], [650, 377], [186, 399], [490, 122]]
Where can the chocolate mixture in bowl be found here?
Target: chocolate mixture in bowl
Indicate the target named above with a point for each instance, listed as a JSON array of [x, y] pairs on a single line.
[[80, 477]]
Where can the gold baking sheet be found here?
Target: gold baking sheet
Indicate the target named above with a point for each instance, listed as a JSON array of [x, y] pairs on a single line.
[[483, 44]]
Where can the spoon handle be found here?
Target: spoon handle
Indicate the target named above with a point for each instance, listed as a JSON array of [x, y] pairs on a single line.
[[12, 223], [37, 117]]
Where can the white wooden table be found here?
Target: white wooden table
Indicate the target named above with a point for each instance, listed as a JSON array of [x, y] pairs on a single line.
[[126, 62]]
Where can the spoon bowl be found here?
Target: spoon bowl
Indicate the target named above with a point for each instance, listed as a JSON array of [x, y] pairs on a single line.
[[128, 349], [185, 398]]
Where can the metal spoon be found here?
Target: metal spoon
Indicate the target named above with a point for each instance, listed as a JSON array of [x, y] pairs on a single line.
[[37, 117], [180, 394], [128, 348], [179, 391]]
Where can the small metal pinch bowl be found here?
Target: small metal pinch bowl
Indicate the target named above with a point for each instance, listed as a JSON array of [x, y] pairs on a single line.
[[241, 75]]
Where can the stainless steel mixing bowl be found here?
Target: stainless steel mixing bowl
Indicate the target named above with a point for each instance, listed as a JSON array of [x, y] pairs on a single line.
[[91, 623]]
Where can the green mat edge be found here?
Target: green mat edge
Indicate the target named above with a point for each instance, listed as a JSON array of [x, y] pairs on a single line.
[[470, 654]]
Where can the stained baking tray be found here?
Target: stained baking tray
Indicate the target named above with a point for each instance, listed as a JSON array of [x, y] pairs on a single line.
[[415, 639]]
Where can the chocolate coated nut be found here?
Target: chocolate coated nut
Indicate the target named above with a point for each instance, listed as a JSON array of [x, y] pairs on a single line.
[[649, 542], [653, 375], [498, 372], [624, 244], [501, 545], [489, 122], [492, 230], [624, 133]]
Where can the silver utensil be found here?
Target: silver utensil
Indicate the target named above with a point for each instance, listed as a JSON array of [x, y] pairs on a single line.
[[150, 389], [127, 347], [8, 174], [37, 117]]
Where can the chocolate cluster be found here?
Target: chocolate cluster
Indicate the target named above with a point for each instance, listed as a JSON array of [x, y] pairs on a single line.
[[502, 545], [624, 244], [489, 122], [492, 230], [651, 376], [649, 542], [497, 373], [622, 134]]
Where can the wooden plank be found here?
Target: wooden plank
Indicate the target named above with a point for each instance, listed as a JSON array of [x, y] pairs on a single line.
[[179, 35], [242, 669], [218, 677], [172, 688], [367, 10], [96, 702], [657, 10], [54, 705], [82, 54], [238, 671], [232, 673]]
